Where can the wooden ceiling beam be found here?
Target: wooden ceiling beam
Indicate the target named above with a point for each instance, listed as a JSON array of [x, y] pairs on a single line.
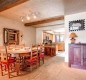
[[45, 21], [6, 4]]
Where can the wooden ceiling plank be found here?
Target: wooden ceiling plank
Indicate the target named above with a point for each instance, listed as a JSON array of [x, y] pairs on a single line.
[[6, 4], [45, 21]]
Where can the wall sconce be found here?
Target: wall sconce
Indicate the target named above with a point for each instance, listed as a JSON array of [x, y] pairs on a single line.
[[72, 36]]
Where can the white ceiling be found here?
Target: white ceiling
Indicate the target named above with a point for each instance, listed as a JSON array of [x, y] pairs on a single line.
[[74, 6], [43, 8]]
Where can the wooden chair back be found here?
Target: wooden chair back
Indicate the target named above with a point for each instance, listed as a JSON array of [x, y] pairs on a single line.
[[34, 51], [1, 49], [41, 48], [4, 54]]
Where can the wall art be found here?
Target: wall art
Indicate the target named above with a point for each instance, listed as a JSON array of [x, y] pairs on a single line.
[[77, 25]]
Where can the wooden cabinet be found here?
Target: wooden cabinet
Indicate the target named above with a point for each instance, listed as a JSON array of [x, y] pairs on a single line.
[[77, 55], [50, 50], [61, 46], [47, 38], [47, 35]]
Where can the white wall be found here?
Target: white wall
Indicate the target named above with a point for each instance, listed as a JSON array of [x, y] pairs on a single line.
[[39, 31], [29, 34], [81, 34]]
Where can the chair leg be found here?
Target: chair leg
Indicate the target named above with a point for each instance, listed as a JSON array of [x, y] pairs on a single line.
[[30, 67], [39, 61], [11, 67], [5, 68], [17, 68], [17, 73], [1, 69], [8, 70], [43, 60]]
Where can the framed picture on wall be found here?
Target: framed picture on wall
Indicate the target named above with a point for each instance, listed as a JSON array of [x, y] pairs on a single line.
[[10, 36], [77, 25]]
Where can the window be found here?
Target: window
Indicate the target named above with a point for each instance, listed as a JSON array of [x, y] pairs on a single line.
[[59, 37]]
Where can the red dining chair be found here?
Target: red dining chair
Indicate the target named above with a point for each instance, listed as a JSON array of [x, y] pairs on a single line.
[[41, 54], [33, 59], [7, 63]]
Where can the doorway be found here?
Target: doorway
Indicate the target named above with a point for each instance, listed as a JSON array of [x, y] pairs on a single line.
[[57, 37]]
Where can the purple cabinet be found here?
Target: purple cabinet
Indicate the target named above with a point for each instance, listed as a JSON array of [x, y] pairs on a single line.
[[77, 55]]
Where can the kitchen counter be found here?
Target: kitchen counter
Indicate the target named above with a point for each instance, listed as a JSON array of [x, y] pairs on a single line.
[[50, 50]]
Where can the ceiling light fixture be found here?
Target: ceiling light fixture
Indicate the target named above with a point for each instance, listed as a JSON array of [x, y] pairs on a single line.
[[30, 16], [34, 16], [22, 19]]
